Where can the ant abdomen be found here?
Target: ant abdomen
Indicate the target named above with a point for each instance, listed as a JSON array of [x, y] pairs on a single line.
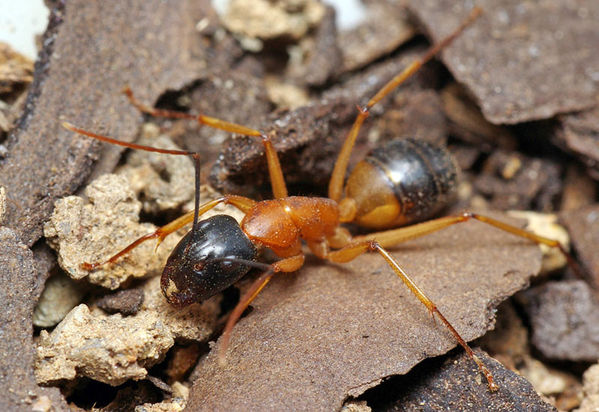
[[196, 270], [403, 181]]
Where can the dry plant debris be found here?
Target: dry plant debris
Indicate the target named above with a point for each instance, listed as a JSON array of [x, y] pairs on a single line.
[[308, 139], [85, 42], [91, 343], [15, 69]]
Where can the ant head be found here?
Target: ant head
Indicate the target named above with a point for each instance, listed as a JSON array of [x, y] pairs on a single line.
[[196, 270]]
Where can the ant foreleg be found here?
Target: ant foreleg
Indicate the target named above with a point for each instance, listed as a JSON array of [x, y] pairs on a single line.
[[274, 166], [353, 250], [240, 202], [290, 264]]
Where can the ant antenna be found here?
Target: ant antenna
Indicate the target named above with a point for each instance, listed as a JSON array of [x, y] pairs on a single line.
[[110, 140], [196, 164]]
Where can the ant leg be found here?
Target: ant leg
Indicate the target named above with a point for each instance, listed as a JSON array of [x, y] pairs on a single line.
[[356, 249], [395, 236], [338, 176], [240, 202], [200, 118], [290, 264], [277, 181], [274, 166]]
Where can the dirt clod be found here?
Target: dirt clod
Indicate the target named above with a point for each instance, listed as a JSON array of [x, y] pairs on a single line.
[[385, 27], [590, 400], [90, 343], [95, 230], [272, 19], [60, 295], [126, 302], [579, 134], [162, 182]]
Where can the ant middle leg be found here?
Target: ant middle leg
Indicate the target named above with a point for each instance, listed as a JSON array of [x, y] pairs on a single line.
[[357, 248], [290, 264]]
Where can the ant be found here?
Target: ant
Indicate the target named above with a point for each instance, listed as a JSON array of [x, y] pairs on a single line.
[[405, 181]]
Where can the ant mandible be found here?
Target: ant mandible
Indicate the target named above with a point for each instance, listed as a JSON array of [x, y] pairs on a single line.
[[404, 182]]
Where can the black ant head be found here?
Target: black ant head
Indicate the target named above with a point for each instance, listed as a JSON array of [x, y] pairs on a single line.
[[196, 268]]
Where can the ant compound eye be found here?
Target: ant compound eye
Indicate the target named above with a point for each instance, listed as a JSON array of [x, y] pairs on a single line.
[[196, 270], [227, 264]]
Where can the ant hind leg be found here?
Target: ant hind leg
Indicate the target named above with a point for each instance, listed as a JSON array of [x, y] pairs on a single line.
[[353, 250]]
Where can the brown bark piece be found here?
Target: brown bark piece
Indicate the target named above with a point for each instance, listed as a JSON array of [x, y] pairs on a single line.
[[93, 49], [18, 293], [579, 134], [467, 123], [417, 114], [127, 302], [522, 61], [332, 331], [511, 180], [323, 54], [451, 384], [384, 29], [583, 226]]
